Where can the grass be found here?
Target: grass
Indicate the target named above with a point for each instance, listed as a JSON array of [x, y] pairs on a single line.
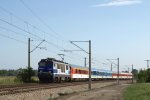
[[139, 91], [8, 80], [12, 80]]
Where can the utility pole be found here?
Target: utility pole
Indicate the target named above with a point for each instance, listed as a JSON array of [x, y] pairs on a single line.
[[132, 74], [111, 67], [118, 72], [89, 53], [85, 62], [147, 63], [90, 64], [117, 69], [29, 53]]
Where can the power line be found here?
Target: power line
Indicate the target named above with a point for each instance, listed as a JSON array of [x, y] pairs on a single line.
[[8, 37], [12, 38], [33, 26], [14, 32], [28, 24], [19, 28], [12, 14], [40, 19], [50, 43], [25, 30], [31, 33]]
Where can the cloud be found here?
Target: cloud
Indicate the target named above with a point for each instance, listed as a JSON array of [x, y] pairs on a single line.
[[118, 3]]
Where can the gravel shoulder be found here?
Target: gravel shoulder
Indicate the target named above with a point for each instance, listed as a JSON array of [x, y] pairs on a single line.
[[113, 92], [100, 91]]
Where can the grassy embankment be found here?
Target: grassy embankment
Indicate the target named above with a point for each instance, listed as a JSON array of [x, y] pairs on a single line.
[[8, 80], [11, 80], [139, 91]]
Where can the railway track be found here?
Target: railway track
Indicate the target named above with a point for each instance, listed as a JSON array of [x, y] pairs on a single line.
[[14, 89]]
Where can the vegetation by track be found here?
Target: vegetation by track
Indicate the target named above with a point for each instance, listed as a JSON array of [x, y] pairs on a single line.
[[138, 91]]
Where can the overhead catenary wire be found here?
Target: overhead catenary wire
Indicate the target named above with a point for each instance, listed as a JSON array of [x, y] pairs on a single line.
[[12, 14], [39, 18], [33, 26], [6, 29], [19, 28], [2, 35], [42, 21], [20, 41], [12, 38], [30, 25], [30, 33], [50, 43]]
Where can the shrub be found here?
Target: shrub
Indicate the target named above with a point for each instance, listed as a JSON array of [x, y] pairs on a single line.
[[25, 75], [144, 76]]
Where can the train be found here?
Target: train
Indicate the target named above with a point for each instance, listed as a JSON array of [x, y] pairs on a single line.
[[52, 70]]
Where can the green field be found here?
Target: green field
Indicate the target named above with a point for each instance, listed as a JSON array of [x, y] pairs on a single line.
[[139, 91], [11, 80], [8, 80]]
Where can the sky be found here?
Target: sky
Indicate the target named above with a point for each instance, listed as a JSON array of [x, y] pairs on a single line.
[[117, 28]]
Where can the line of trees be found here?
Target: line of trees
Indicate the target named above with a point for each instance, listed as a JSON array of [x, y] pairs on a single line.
[[23, 74], [143, 76], [8, 72], [12, 72]]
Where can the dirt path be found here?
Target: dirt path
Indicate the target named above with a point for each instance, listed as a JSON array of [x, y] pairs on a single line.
[[106, 93]]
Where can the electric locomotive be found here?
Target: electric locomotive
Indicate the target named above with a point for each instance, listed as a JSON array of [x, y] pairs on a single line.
[[51, 70]]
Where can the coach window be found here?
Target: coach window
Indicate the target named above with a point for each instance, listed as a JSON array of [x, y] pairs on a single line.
[[85, 72], [63, 68], [79, 71], [58, 66], [76, 70], [82, 72], [66, 67], [54, 65]]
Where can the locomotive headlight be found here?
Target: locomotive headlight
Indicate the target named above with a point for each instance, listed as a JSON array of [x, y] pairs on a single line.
[[49, 71]]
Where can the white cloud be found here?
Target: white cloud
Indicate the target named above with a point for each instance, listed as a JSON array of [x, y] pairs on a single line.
[[119, 3]]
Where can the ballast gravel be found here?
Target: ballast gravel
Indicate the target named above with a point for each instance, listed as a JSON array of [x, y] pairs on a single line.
[[49, 94]]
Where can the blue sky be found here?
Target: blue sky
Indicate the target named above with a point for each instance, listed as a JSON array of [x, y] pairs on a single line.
[[117, 28]]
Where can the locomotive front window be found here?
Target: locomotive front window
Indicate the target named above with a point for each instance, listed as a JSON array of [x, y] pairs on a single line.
[[42, 64], [66, 67]]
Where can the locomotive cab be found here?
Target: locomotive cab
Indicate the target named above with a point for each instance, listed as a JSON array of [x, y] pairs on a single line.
[[45, 70]]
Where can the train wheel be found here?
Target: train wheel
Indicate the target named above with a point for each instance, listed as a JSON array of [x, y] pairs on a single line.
[[56, 79], [60, 80], [66, 79]]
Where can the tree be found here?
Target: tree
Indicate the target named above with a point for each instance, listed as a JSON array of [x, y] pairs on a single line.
[[148, 75], [26, 74], [144, 76]]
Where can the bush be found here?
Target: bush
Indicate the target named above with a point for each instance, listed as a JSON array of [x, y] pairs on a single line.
[[25, 75], [144, 76]]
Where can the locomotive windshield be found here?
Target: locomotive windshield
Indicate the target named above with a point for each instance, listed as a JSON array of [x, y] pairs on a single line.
[[42, 64], [45, 63]]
